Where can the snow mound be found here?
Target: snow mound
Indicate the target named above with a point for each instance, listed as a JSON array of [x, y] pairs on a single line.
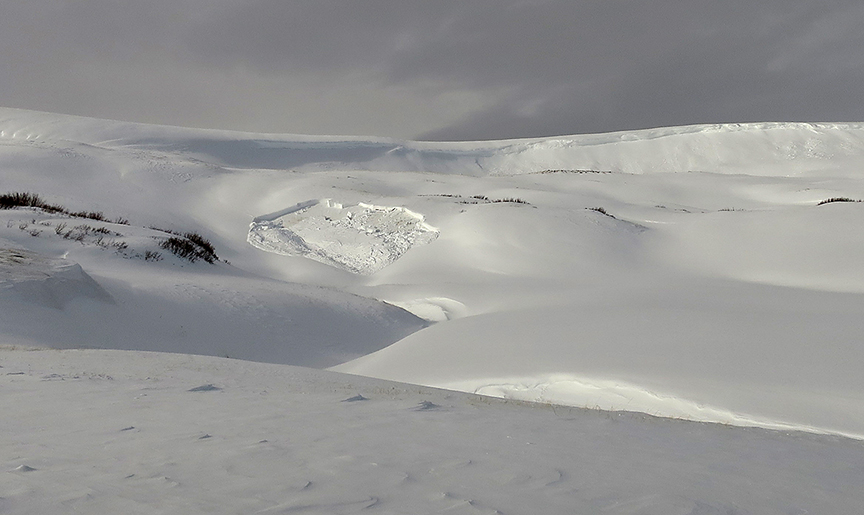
[[434, 309], [361, 239], [616, 395], [47, 281]]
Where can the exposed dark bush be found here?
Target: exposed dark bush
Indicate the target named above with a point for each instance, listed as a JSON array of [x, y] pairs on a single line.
[[574, 171], [167, 231], [181, 247], [512, 200], [10, 200], [600, 210], [191, 246], [103, 230], [837, 199], [202, 242], [93, 215], [150, 255]]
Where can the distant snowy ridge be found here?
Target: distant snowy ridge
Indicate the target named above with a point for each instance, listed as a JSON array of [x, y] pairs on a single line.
[[761, 148]]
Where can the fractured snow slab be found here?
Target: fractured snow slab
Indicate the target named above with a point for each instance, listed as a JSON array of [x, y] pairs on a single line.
[[361, 239]]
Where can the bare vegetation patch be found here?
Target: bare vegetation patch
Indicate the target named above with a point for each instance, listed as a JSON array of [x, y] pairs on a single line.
[[480, 199], [191, 246], [580, 171], [33, 200], [26, 199], [601, 210], [837, 199]]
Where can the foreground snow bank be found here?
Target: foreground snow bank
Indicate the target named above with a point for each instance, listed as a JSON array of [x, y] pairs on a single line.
[[133, 432]]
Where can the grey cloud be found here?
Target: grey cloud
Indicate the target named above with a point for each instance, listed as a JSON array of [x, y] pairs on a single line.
[[733, 69], [274, 36], [574, 66], [545, 66]]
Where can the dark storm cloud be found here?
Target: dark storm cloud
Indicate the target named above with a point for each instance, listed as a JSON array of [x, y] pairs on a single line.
[[543, 67]]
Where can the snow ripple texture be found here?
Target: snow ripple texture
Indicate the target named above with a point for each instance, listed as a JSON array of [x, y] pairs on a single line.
[[361, 239]]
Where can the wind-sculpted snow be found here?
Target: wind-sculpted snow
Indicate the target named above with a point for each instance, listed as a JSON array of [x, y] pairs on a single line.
[[361, 239], [44, 280], [133, 432], [617, 395]]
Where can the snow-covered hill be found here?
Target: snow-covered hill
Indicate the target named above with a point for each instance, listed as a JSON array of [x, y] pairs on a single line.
[[133, 432], [688, 272]]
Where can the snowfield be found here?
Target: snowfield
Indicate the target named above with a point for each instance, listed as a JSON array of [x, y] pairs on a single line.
[[137, 432], [707, 274]]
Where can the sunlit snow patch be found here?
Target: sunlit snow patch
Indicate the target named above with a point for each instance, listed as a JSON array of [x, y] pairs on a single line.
[[361, 239], [614, 395]]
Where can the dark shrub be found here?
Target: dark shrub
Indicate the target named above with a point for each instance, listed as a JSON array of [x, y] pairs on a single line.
[[837, 199], [10, 200], [93, 215], [600, 210], [202, 242], [191, 246], [512, 200]]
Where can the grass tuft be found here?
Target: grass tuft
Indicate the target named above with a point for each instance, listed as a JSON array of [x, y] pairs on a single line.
[[191, 246], [26, 199], [600, 210], [837, 199]]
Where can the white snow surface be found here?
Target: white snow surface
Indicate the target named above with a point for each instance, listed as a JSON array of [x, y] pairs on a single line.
[[682, 272], [134, 432]]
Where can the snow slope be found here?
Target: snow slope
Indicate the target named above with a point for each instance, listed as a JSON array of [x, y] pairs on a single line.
[[684, 271], [171, 305], [168, 433]]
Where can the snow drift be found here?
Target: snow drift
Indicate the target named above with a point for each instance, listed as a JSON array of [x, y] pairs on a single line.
[[45, 281]]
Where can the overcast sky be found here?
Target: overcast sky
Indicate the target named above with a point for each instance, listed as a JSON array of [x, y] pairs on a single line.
[[435, 69]]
